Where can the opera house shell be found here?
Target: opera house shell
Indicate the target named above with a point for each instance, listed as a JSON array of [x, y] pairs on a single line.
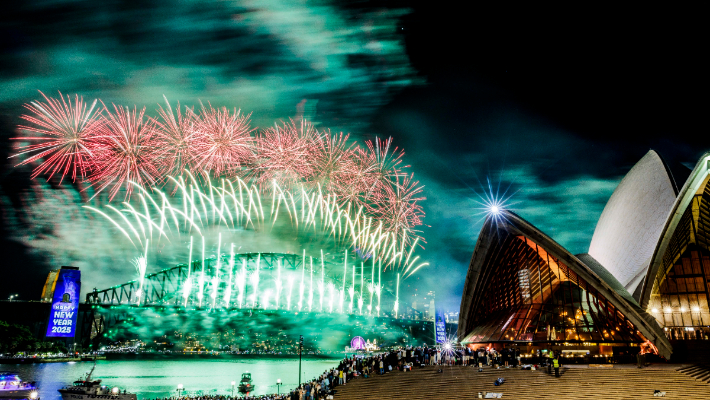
[[644, 283]]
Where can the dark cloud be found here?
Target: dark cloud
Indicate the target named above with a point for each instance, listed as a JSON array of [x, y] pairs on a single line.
[[554, 107]]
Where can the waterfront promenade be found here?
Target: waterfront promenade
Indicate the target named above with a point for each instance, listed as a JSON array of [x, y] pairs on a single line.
[[576, 382]]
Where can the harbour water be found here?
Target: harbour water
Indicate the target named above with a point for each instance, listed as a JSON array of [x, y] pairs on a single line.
[[151, 379]]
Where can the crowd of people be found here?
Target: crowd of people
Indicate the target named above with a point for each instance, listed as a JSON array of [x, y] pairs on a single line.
[[223, 397], [403, 359]]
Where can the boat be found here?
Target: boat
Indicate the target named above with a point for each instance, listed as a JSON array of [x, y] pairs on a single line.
[[84, 389], [246, 385], [12, 387]]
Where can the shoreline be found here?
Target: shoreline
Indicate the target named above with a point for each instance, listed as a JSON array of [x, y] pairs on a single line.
[[153, 357], [38, 360]]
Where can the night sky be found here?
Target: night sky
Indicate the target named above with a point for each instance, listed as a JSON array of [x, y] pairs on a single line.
[[552, 106]]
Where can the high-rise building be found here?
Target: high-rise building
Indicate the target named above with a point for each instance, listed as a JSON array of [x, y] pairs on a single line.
[[432, 305]]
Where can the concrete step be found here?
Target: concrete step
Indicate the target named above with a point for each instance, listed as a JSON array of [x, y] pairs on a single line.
[[574, 383], [700, 372]]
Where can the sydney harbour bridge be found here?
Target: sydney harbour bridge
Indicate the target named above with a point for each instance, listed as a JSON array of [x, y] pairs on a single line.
[[272, 286]]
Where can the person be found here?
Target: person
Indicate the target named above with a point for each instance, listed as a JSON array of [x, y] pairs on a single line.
[[340, 377], [556, 366], [382, 367], [517, 356], [549, 361]]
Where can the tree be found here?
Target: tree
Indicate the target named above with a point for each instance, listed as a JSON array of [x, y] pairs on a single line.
[[15, 338]]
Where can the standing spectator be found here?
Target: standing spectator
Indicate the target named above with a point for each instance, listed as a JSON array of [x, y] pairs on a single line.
[[517, 356]]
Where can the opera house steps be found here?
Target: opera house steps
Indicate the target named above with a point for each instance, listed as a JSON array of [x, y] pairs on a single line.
[[700, 372], [625, 382]]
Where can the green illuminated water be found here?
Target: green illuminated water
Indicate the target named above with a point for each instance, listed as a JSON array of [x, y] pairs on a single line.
[[159, 378]]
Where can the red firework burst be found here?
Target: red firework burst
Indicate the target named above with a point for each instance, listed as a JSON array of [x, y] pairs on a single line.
[[397, 205], [380, 164], [125, 152], [120, 148], [223, 142], [67, 132], [333, 162], [284, 152], [174, 137]]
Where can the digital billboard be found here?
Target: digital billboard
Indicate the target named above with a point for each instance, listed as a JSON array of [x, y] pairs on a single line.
[[65, 304], [440, 327]]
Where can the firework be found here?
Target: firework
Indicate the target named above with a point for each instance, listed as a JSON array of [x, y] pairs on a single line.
[[120, 148], [141, 264], [322, 182], [396, 301], [67, 132], [125, 152], [399, 207], [355, 187], [382, 162], [238, 205], [175, 135], [222, 143], [333, 161], [235, 204], [284, 154]]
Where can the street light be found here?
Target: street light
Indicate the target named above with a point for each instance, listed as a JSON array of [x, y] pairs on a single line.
[[278, 386], [233, 383], [180, 388], [300, 350]]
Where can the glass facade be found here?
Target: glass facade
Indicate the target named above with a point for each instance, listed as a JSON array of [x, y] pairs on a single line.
[[530, 296], [679, 299]]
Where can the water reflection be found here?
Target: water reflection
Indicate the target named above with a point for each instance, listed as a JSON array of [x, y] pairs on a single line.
[[151, 379]]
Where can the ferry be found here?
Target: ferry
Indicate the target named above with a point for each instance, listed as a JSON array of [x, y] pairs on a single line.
[[12, 387], [246, 385], [85, 389]]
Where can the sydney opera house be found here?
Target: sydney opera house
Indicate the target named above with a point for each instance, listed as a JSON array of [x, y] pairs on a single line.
[[644, 283]]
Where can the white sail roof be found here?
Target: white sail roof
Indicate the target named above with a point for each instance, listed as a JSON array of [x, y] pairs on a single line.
[[632, 221]]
